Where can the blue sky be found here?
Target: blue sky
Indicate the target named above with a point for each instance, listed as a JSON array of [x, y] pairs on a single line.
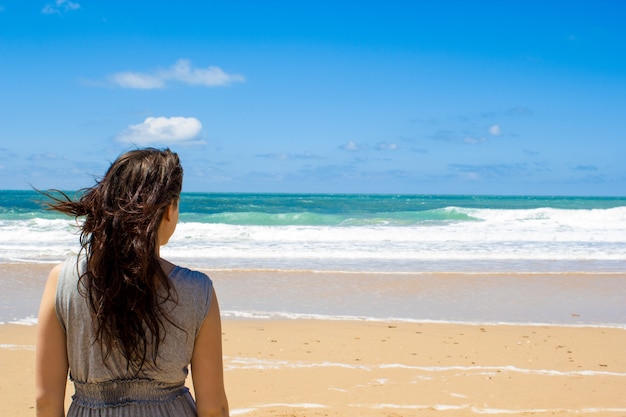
[[445, 97]]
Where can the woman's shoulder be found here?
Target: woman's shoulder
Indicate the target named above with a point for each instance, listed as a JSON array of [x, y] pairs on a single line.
[[66, 272], [52, 281], [195, 287], [193, 280], [187, 273]]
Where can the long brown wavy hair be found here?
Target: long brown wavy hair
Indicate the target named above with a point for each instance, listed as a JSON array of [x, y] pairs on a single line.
[[124, 282]]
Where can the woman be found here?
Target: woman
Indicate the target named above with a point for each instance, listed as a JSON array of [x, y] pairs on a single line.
[[125, 322]]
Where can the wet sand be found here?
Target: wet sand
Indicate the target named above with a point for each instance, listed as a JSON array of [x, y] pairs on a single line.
[[347, 368], [490, 297]]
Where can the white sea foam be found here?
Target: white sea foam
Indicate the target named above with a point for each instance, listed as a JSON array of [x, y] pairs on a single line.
[[16, 347], [438, 407], [490, 370], [295, 405], [237, 363], [26, 321], [447, 407], [552, 411], [232, 363], [260, 315], [265, 315], [486, 410], [241, 411], [544, 234]]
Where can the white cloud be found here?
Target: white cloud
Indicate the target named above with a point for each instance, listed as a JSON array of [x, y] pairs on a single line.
[[519, 111], [48, 156], [60, 6], [473, 140], [495, 130], [387, 146], [209, 77], [284, 156], [352, 146], [181, 71], [162, 130], [136, 80]]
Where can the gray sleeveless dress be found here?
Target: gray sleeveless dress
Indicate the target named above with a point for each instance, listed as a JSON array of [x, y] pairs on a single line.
[[108, 390]]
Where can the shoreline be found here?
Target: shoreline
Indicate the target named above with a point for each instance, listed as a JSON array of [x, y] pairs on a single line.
[[436, 267], [518, 298], [344, 368]]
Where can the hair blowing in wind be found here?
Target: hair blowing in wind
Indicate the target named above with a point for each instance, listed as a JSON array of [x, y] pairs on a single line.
[[124, 282]]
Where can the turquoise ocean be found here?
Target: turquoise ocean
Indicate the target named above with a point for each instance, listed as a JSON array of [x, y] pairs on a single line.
[[377, 233], [276, 239]]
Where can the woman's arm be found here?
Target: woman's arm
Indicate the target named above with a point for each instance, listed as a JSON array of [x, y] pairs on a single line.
[[51, 364], [207, 370]]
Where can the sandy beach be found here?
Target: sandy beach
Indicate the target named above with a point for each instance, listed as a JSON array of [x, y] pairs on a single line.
[[347, 368], [331, 365]]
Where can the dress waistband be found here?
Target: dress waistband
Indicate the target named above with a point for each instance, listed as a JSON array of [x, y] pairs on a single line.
[[122, 392]]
